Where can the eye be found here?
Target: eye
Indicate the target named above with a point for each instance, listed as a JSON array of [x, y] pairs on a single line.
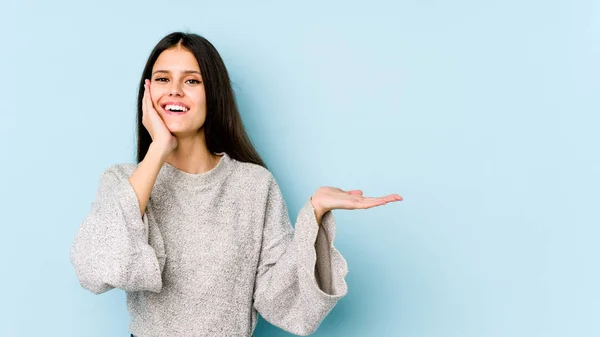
[[196, 81], [160, 79]]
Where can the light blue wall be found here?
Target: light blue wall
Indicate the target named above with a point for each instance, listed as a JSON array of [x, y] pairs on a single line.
[[483, 115]]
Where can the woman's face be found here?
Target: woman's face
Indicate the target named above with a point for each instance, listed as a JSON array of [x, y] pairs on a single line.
[[176, 82]]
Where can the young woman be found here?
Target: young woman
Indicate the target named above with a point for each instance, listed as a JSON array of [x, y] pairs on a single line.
[[197, 232]]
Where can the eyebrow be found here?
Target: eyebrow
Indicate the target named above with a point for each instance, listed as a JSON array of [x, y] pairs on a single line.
[[185, 72]]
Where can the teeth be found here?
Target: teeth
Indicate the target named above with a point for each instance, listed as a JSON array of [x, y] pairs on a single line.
[[176, 107]]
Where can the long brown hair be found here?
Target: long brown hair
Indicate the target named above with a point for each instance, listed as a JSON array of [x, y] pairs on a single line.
[[223, 128]]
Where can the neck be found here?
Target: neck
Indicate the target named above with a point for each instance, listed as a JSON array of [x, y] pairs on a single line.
[[191, 155]]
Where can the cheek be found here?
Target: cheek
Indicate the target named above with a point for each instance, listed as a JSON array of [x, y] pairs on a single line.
[[156, 94], [199, 99]]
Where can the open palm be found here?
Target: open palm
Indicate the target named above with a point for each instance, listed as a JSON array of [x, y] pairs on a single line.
[[330, 198]]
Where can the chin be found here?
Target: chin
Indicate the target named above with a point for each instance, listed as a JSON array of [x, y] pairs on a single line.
[[176, 128], [182, 132]]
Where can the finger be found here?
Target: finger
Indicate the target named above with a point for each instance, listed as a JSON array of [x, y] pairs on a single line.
[[355, 192], [144, 98], [147, 96], [150, 102], [148, 89], [372, 199], [393, 197], [390, 198], [361, 198], [371, 203], [145, 104]]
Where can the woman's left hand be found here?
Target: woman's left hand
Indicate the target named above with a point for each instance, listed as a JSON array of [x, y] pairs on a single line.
[[328, 198]]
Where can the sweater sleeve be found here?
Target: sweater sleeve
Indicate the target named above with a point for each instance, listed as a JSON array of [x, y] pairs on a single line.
[[112, 247], [300, 275]]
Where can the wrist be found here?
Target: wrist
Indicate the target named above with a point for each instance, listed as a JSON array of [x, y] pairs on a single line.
[[319, 210], [158, 151]]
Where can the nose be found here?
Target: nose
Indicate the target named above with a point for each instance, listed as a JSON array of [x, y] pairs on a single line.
[[175, 89]]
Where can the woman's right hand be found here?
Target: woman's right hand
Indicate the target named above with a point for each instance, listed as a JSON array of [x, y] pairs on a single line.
[[154, 123]]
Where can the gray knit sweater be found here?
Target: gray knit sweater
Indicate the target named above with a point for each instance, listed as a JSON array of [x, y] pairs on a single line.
[[211, 251]]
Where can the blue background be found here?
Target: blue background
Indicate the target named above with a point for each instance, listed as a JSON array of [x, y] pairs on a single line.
[[483, 115]]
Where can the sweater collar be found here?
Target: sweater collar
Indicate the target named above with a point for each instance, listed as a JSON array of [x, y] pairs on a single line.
[[214, 175]]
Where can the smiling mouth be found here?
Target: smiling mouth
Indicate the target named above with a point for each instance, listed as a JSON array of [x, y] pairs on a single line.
[[175, 113], [175, 109]]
